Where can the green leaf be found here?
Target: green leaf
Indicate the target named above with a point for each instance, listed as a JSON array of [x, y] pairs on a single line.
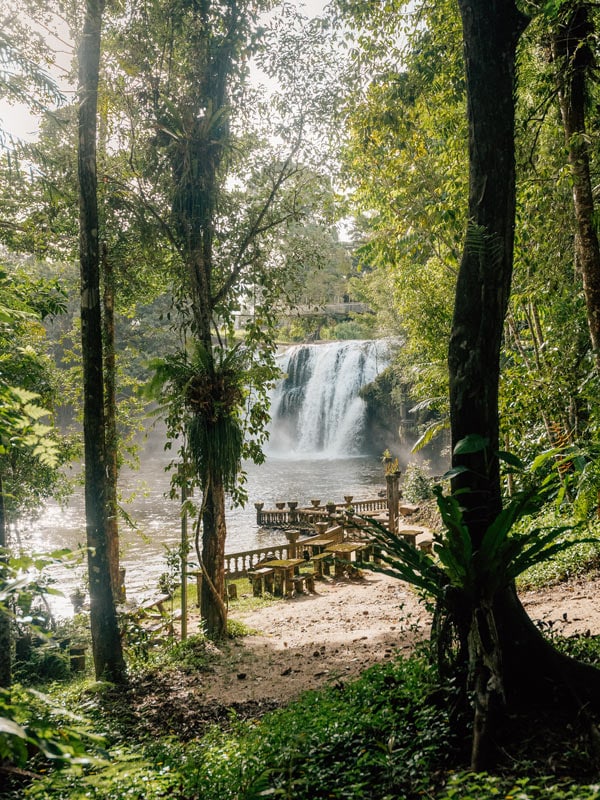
[[24, 395], [429, 434], [510, 458], [543, 458], [473, 443], [10, 728], [454, 472], [552, 7]]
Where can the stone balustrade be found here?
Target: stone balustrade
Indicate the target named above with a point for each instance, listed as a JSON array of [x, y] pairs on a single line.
[[306, 517], [238, 564], [373, 504]]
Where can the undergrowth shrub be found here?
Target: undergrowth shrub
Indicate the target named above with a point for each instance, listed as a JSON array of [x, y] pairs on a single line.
[[481, 786], [575, 561], [377, 737], [416, 483], [384, 736], [365, 739], [45, 661], [580, 646]]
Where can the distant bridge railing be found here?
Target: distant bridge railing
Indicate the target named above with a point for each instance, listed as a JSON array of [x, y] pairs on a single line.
[[331, 309]]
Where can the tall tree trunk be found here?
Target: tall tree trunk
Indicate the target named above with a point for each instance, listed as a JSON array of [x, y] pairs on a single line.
[[112, 439], [509, 656], [574, 59], [5, 638], [491, 30], [106, 641]]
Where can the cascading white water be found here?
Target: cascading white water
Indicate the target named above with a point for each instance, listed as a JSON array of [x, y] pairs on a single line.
[[316, 409]]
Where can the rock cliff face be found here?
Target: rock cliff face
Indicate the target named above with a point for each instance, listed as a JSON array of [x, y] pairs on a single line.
[[387, 423], [391, 424]]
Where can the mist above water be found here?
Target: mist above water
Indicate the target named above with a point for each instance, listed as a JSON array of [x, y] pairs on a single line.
[[315, 451]]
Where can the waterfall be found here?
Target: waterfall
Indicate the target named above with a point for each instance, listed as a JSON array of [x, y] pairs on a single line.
[[316, 409]]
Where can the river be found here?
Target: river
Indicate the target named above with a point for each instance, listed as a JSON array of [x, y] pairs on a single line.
[[317, 435], [157, 522]]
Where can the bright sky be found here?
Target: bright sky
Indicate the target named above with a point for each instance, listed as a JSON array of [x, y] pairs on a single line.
[[18, 121]]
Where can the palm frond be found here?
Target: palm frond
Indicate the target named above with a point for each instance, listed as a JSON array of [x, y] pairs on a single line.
[[430, 433]]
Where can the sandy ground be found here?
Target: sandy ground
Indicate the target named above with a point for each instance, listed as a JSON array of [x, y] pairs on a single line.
[[311, 640]]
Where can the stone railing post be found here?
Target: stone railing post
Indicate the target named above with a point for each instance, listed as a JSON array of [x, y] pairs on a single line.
[[392, 481], [292, 537]]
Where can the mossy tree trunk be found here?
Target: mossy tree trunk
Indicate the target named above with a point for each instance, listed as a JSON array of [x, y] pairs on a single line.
[[106, 641], [214, 531], [196, 161]]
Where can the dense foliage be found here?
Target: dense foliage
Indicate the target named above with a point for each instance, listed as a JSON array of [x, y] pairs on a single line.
[[217, 210], [385, 735]]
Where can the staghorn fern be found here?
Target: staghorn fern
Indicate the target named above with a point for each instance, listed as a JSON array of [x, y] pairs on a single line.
[[216, 448], [210, 386]]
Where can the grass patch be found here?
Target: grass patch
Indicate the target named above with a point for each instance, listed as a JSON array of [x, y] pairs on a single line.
[[246, 600], [237, 629]]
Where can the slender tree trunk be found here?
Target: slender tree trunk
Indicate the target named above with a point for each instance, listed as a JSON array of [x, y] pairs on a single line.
[[112, 439], [106, 642], [185, 552], [573, 56], [5, 637], [212, 607], [196, 165]]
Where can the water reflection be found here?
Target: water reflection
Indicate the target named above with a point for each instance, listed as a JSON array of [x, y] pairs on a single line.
[[157, 517]]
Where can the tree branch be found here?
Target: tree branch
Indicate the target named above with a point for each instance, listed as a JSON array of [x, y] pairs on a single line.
[[257, 228]]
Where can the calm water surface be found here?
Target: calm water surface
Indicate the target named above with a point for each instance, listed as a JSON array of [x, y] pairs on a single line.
[[157, 517]]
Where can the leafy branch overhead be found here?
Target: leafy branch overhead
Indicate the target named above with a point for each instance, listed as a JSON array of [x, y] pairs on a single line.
[[20, 425]]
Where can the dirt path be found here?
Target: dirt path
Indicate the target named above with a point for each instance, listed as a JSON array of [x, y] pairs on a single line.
[[569, 608], [333, 635]]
